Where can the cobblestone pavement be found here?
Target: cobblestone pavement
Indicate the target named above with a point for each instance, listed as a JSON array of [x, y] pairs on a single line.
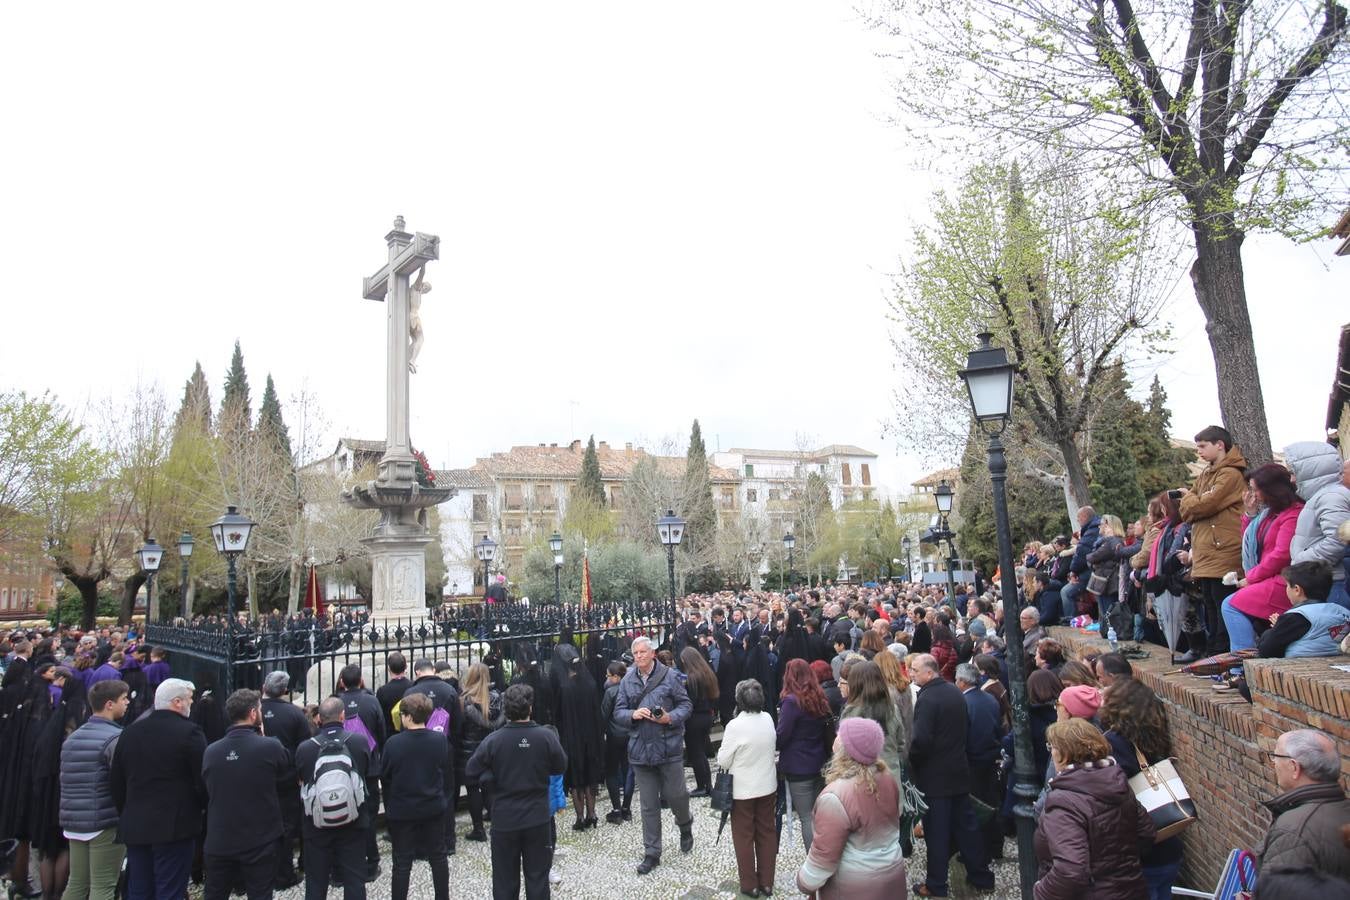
[[601, 863]]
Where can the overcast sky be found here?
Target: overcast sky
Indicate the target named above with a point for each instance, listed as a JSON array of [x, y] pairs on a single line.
[[648, 213]]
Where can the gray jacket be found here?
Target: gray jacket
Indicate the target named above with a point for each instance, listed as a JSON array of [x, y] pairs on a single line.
[[1317, 470], [86, 789], [653, 744]]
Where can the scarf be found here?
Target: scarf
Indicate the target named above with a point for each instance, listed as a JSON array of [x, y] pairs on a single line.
[[1251, 541]]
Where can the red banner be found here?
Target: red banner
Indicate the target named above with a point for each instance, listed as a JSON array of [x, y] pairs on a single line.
[[585, 580], [313, 599]]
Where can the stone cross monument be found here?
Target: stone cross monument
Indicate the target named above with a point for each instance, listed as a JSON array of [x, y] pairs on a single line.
[[398, 545]]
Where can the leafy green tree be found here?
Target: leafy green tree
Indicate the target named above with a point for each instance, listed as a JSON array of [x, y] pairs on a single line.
[[1229, 116], [700, 513], [196, 405], [1035, 506], [43, 454], [590, 486], [1161, 466], [1115, 478], [271, 424]]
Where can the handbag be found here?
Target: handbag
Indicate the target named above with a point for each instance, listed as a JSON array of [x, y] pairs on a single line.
[[1163, 796], [719, 798], [1097, 584]]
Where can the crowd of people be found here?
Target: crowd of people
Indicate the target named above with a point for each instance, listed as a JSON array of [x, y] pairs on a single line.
[[873, 716]]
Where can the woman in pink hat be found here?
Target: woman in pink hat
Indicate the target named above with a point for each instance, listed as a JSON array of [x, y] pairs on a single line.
[[855, 851]]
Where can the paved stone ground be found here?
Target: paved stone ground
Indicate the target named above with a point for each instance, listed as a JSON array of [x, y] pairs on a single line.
[[601, 863]]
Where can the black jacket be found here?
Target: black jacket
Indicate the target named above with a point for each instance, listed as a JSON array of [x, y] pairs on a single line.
[[1087, 540], [518, 759], [362, 704], [286, 722], [243, 773], [157, 779], [416, 775], [478, 724], [937, 750], [388, 694], [308, 755], [984, 727]]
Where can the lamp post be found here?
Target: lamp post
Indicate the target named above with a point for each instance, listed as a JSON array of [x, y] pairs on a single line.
[[58, 582], [943, 495], [905, 545], [670, 528], [231, 533], [555, 543], [486, 549], [788, 543], [989, 381], [184, 554], [150, 556]]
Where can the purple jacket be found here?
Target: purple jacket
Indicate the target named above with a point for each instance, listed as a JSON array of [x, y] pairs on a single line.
[[801, 739], [105, 672], [155, 672]]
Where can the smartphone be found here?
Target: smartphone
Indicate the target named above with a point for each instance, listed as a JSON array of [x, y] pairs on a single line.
[[1174, 494], [657, 712]]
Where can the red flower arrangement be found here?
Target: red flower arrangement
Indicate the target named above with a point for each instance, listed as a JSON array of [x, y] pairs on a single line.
[[426, 475]]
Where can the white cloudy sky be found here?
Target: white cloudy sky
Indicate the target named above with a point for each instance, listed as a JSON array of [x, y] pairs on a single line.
[[647, 213]]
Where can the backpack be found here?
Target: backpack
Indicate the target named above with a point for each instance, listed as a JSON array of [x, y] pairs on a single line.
[[439, 721], [334, 797], [354, 725]]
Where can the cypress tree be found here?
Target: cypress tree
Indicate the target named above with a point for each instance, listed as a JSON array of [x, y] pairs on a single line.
[[701, 516], [195, 409], [590, 486], [271, 424], [235, 405], [1115, 477]]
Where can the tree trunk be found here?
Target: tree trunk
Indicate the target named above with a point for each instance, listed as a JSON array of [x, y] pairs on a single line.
[[293, 590], [1222, 295], [88, 588], [1077, 492], [191, 595], [129, 591]]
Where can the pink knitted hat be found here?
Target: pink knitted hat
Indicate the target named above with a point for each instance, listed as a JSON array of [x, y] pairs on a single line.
[[1081, 701], [862, 739]]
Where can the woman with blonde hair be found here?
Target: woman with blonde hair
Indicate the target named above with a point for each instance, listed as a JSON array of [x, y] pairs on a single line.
[[1089, 835], [483, 715], [893, 673], [855, 852]]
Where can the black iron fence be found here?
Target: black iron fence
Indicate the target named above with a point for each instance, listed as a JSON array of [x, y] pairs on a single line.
[[222, 658]]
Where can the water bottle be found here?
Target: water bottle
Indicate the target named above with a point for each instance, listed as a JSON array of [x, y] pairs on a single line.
[[1111, 637]]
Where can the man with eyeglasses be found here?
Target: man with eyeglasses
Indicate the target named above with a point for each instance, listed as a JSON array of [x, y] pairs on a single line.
[[1306, 820]]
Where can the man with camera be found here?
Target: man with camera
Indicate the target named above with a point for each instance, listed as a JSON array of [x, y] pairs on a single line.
[[653, 699]]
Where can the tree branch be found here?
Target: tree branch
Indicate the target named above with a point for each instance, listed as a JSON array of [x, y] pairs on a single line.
[[1333, 29]]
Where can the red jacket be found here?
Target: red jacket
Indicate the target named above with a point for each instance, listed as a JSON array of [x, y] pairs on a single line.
[[945, 654], [1264, 593]]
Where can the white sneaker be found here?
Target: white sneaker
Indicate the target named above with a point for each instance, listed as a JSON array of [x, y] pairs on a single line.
[[554, 877]]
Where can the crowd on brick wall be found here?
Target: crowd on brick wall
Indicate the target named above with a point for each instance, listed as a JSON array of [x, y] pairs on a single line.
[[877, 716]]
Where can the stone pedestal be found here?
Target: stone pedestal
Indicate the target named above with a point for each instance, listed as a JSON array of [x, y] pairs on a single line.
[[398, 576]]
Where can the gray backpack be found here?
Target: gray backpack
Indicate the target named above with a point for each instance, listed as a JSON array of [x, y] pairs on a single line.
[[334, 797]]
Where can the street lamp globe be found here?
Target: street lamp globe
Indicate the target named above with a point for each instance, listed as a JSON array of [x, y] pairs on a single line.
[[989, 381], [789, 541], [943, 495], [555, 543], [670, 529], [906, 544], [486, 549], [150, 556], [231, 532], [185, 543]]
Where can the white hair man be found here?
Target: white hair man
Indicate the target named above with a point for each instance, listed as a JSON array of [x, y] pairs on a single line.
[[1306, 820]]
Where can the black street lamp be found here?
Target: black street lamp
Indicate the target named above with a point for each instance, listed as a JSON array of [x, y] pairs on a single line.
[[943, 495], [184, 554], [905, 545], [486, 549], [58, 582], [670, 529], [231, 533], [789, 542], [150, 556], [989, 381], [555, 543]]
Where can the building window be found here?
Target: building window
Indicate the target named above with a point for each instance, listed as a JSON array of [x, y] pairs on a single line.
[[866, 474], [4, 598], [543, 496], [775, 494], [515, 497], [728, 498], [749, 470], [614, 494], [751, 495], [845, 475], [480, 507]]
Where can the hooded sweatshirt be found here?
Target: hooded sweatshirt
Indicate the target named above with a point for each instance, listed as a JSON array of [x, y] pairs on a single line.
[[1317, 473]]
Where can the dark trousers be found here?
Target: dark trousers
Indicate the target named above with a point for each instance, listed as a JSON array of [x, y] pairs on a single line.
[[159, 871], [257, 869], [419, 839], [512, 851], [292, 811], [451, 799], [341, 848], [372, 844], [479, 798], [616, 772], [754, 834], [696, 731], [1212, 594], [951, 821], [984, 784]]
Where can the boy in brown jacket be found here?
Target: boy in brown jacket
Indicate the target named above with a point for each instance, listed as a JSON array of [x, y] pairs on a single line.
[[1214, 509]]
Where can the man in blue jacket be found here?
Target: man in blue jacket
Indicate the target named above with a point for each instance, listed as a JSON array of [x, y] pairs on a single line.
[[1089, 529], [984, 737], [653, 699]]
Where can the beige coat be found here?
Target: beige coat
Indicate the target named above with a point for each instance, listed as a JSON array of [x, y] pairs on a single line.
[[1214, 509]]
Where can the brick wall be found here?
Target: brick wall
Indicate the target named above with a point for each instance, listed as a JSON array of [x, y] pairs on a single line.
[[1217, 739]]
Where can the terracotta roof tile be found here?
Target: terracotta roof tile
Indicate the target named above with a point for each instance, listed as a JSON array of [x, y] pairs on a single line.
[[463, 478], [564, 463]]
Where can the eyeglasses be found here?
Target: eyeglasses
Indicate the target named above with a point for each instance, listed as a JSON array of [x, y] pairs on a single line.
[[1272, 755]]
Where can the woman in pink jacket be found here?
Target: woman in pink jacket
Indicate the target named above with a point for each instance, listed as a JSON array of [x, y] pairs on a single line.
[[1265, 553]]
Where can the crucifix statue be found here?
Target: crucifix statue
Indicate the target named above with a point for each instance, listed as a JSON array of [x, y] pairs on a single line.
[[408, 254]]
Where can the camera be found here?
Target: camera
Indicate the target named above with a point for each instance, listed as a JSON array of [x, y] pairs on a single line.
[[657, 712], [1174, 494]]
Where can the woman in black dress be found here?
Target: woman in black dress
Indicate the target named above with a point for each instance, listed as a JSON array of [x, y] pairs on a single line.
[[48, 839], [577, 715]]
